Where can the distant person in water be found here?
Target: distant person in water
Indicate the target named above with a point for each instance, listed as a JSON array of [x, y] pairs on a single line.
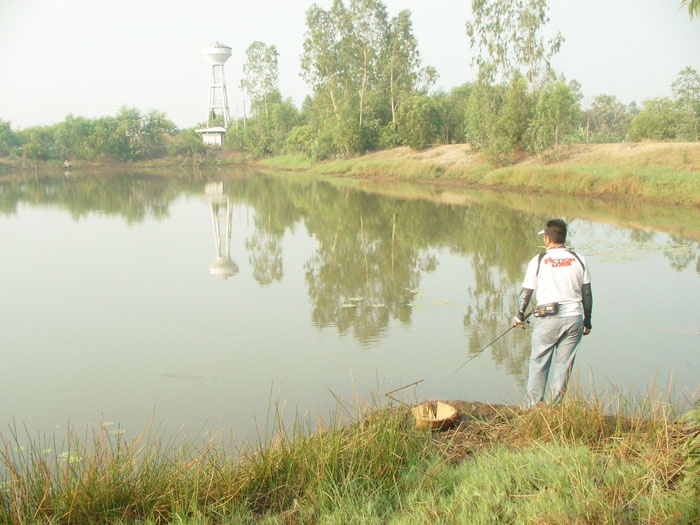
[[562, 314]]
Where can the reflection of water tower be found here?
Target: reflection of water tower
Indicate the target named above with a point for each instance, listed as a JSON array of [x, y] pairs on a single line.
[[223, 266], [216, 54]]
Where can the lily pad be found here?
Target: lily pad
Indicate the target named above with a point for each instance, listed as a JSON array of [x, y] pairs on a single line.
[[356, 299], [71, 457], [378, 305], [348, 305], [442, 302]]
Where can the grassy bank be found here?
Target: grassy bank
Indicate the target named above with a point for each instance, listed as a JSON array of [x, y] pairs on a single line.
[[572, 463], [652, 172], [666, 173], [213, 159]]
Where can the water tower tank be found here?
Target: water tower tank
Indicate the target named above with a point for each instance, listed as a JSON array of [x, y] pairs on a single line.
[[217, 53]]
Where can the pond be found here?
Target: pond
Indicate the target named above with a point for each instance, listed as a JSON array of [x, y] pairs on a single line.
[[210, 301]]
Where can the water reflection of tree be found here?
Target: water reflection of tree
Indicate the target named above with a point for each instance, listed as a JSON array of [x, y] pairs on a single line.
[[371, 252], [682, 252], [277, 209], [133, 196], [366, 265], [500, 242], [265, 257]]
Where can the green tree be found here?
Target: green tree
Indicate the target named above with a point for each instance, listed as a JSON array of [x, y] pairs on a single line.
[[506, 37], [104, 142], [324, 69], [9, 141], [184, 142], [453, 109], [515, 113], [686, 94], [554, 116], [285, 117], [400, 70], [483, 106], [418, 121], [607, 120], [155, 130], [272, 118], [656, 120], [367, 25], [261, 77], [39, 143], [128, 139], [498, 118], [360, 66]]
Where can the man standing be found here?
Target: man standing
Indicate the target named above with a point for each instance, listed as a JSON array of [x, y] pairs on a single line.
[[562, 314]]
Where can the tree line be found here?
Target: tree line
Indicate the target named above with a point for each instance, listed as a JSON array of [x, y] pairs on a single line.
[[370, 90]]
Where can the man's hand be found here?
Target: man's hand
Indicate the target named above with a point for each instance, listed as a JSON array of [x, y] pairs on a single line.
[[586, 331], [517, 322]]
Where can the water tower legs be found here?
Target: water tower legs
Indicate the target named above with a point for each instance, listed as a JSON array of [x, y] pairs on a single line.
[[218, 99]]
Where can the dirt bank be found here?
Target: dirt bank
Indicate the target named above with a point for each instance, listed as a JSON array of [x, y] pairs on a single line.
[[681, 155]]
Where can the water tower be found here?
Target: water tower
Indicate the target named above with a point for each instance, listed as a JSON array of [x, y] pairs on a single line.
[[217, 54]]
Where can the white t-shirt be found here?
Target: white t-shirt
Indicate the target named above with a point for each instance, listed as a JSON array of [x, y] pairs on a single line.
[[559, 280]]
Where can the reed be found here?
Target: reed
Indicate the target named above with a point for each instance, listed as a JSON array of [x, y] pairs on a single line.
[[608, 458], [101, 478]]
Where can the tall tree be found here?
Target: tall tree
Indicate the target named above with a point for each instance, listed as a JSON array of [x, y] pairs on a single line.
[[554, 116], [686, 93], [260, 82], [401, 71], [321, 63], [360, 65], [260, 76], [506, 36], [368, 29]]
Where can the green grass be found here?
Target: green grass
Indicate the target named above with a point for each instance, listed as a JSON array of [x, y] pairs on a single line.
[[358, 167], [290, 162], [647, 183], [651, 182], [547, 483], [599, 460]]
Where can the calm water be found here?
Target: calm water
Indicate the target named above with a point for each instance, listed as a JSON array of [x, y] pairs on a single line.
[[195, 301]]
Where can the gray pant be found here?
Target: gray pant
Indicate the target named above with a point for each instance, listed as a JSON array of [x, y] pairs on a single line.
[[554, 344]]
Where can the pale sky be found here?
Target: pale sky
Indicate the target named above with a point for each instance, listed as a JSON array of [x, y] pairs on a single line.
[[89, 57]]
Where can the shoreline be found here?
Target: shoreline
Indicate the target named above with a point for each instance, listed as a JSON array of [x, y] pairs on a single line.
[[662, 173], [654, 172], [569, 463]]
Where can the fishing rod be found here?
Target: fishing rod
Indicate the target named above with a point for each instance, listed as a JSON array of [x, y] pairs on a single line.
[[488, 345]]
